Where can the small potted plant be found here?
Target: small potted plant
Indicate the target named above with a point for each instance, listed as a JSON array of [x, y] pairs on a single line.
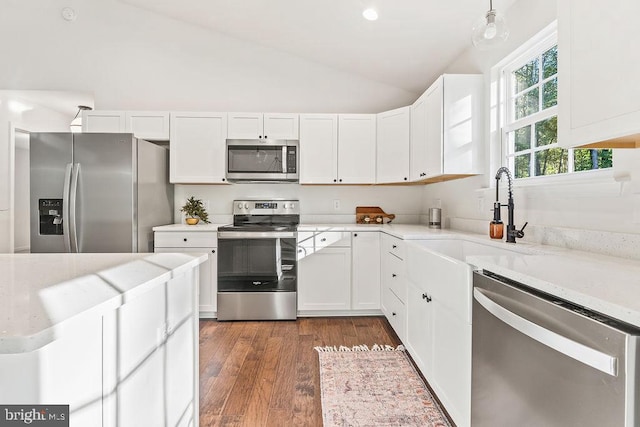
[[195, 211]]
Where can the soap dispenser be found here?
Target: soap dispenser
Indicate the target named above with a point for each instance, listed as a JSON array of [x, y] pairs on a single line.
[[496, 227]]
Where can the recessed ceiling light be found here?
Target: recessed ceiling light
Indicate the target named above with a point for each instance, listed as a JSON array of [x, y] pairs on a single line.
[[370, 14]]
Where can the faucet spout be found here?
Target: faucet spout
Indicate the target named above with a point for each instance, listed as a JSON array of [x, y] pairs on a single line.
[[512, 233]]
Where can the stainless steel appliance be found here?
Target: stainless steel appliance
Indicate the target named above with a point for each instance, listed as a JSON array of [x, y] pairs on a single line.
[[97, 192], [257, 261], [542, 361], [260, 160]]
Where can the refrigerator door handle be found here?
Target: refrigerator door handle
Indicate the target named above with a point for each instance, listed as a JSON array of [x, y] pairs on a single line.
[[65, 207], [73, 194], [582, 353]]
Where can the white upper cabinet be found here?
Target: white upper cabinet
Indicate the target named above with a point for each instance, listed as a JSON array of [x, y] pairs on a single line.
[[151, 125], [392, 145], [450, 125], [318, 148], [598, 69], [418, 146], [259, 126], [197, 148], [357, 148], [96, 121]]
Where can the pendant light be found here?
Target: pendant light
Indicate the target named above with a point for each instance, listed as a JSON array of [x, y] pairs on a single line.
[[489, 30], [76, 123]]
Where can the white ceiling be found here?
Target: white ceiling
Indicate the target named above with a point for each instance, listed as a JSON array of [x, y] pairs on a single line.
[[407, 47]]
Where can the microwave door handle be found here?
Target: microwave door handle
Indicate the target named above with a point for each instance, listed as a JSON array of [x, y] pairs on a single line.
[[284, 159], [580, 352]]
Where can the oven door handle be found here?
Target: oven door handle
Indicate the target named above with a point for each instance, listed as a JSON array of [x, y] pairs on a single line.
[[580, 352], [256, 235]]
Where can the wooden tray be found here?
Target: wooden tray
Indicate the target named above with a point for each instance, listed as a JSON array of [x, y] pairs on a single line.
[[372, 215]]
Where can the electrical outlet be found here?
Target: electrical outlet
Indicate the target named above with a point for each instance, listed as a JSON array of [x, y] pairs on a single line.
[[480, 204], [336, 205], [205, 203], [437, 203]]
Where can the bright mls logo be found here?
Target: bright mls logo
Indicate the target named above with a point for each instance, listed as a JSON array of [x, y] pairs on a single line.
[[34, 415]]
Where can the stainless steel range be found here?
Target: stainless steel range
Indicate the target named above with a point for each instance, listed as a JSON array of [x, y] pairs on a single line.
[[257, 262]]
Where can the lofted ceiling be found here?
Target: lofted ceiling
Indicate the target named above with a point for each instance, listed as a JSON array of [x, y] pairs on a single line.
[[407, 47]]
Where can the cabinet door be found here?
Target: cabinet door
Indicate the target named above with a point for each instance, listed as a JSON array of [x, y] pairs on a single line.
[[419, 159], [598, 97], [451, 353], [280, 126], [245, 126], [462, 125], [366, 278], [420, 328], [434, 130], [324, 280], [318, 148], [148, 124], [198, 148], [392, 145], [97, 121], [208, 283], [357, 148]]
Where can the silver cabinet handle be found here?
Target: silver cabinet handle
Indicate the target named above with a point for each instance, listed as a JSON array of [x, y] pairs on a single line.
[[256, 235], [587, 355]]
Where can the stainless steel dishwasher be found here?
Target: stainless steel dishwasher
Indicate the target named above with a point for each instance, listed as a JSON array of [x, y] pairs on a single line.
[[541, 361]]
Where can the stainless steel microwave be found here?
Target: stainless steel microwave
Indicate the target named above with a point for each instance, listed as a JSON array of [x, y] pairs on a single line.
[[262, 160]]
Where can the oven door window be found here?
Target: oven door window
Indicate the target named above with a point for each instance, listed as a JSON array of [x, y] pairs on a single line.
[[254, 159], [257, 265]]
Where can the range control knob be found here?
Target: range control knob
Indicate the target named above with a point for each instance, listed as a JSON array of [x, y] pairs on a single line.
[[239, 205], [246, 206]]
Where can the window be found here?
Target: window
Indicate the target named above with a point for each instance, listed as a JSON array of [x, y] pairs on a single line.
[[531, 118]]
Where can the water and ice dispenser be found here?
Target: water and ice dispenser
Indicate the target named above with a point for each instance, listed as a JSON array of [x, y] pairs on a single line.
[[50, 216]]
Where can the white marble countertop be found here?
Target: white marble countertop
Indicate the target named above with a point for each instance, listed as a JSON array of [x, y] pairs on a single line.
[[39, 292], [187, 227], [606, 284]]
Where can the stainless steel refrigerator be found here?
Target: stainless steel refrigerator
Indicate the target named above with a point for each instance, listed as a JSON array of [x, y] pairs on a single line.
[[100, 192]]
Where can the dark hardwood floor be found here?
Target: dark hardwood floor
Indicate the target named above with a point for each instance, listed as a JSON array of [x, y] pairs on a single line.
[[266, 373]]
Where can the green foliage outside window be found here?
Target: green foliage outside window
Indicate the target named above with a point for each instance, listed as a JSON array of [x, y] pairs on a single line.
[[534, 146]]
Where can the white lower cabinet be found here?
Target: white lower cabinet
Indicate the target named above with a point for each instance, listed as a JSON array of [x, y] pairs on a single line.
[[365, 277], [439, 327], [324, 273], [196, 242], [393, 283]]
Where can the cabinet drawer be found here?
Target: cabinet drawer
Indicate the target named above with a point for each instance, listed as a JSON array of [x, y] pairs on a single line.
[[321, 239], [395, 277], [396, 313], [185, 239], [393, 245]]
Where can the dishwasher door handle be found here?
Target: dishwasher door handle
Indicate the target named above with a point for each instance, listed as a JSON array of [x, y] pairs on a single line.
[[580, 352]]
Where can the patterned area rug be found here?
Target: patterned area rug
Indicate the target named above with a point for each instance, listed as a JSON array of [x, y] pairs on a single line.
[[376, 386]]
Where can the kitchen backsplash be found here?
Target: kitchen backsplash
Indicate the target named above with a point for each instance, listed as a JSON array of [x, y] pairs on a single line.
[[624, 245], [319, 204]]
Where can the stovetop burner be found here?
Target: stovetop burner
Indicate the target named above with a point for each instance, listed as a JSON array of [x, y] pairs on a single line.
[[264, 216]]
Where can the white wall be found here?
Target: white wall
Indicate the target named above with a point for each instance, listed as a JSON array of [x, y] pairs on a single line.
[[137, 60], [603, 204], [316, 201]]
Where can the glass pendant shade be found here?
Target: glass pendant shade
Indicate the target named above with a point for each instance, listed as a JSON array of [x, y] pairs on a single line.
[[489, 30]]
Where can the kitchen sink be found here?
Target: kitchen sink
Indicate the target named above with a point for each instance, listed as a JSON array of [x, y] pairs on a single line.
[[460, 249]]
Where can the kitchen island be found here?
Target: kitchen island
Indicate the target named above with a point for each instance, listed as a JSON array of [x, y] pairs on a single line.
[[114, 336]]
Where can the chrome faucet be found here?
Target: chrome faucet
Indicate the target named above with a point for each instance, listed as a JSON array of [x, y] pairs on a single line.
[[512, 233]]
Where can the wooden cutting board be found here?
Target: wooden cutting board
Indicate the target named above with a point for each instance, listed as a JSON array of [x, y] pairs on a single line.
[[372, 215]]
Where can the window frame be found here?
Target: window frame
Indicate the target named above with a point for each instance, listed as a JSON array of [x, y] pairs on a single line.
[[534, 48]]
